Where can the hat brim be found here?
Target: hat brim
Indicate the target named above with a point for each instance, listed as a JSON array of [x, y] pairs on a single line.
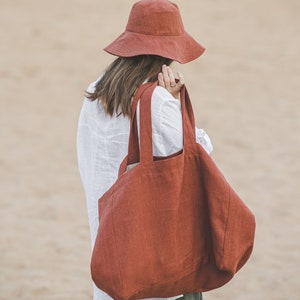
[[182, 48]]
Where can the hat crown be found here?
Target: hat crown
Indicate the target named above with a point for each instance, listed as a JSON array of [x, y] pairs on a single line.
[[155, 17]]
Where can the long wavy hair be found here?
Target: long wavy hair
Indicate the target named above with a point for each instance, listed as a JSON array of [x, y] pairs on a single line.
[[121, 79]]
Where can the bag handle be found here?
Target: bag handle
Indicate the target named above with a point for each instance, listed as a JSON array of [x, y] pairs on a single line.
[[144, 151], [188, 120], [133, 155], [188, 123]]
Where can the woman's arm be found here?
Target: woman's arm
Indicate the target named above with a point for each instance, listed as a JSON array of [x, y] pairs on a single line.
[[170, 131]]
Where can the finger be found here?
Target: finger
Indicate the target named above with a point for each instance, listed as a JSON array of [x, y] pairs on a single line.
[[181, 78], [171, 76], [161, 80], [166, 77]]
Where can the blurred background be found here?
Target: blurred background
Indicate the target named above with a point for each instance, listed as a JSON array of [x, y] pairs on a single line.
[[245, 92]]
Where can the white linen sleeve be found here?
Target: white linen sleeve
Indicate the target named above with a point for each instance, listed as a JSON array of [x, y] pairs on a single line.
[[167, 125], [203, 139]]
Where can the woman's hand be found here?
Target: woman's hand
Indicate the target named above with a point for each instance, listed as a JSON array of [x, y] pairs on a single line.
[[167, 80]]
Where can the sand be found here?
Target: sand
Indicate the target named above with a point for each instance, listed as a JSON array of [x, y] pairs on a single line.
[[245, 91]]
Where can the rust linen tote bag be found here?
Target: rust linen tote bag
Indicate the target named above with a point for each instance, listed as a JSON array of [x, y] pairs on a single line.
[[169, 226]]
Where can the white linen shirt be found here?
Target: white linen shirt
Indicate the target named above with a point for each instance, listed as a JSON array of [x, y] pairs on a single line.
[[102, 144]]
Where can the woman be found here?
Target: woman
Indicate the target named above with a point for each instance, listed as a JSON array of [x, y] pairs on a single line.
[[154, 37]]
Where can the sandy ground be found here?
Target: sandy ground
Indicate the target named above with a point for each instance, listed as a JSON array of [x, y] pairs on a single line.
[[245, 91]]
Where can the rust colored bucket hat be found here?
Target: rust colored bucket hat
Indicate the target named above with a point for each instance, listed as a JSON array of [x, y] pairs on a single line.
[[155, 27]]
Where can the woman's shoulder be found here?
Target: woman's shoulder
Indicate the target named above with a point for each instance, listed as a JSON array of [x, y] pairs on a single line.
[[92, 85], [91, 108]]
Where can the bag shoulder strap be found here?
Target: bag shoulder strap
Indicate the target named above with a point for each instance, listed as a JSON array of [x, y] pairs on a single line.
[[188, 124], [133, 155], [144, 151]]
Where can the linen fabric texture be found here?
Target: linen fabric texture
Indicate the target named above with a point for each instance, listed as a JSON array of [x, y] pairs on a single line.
[[170, 225]]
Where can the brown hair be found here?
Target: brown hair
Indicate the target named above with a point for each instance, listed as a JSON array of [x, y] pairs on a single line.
[[121, 79]]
